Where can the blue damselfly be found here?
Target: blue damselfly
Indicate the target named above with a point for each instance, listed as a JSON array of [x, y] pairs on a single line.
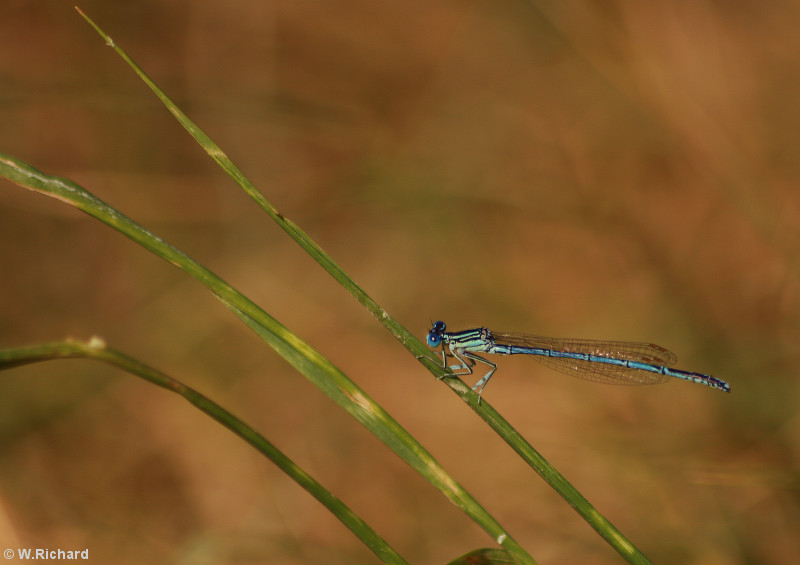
[[613, 362]]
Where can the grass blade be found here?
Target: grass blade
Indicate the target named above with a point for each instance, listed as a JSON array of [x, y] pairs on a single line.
[[96, 349], [299, 354]]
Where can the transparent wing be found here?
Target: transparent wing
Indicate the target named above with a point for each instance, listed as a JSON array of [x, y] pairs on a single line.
[[639, 352]]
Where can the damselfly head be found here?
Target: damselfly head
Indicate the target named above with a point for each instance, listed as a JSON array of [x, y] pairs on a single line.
[[436, 334]]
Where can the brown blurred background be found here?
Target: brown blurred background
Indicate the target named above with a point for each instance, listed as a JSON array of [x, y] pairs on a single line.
[[618, 172]]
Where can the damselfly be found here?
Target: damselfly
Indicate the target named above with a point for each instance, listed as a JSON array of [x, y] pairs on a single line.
[[613, 362]]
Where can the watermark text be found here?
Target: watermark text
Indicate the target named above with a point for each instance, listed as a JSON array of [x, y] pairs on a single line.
[[44, 554]]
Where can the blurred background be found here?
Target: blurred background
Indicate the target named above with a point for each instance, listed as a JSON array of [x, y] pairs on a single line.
[[626, 171]]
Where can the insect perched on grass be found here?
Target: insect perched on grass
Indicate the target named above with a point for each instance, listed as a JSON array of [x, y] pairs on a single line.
[[613, 362]]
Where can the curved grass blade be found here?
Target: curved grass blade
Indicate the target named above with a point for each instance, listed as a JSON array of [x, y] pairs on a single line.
[[96, 349], [319, 370]]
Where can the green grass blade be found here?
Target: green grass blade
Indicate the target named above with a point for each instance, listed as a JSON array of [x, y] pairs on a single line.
[[96, 349], [557, 481], [299, 354], [302, 239]]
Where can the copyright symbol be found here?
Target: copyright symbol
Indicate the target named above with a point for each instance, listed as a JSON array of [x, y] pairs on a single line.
[[8, 554]]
